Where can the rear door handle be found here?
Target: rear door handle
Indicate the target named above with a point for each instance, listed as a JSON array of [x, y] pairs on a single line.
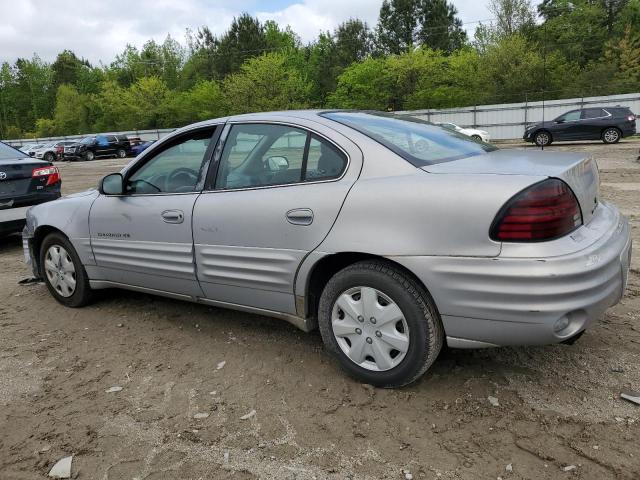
[[173, 216], [300, 216]]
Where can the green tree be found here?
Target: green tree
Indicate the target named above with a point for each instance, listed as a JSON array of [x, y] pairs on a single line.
[[245, 39], [203, 101], [397, 26], [266, 83], [70, 114], [439, 27]]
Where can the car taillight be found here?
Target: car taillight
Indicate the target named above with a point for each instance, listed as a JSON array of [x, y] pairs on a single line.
[[631, 118], [52, 173], [544, 211]]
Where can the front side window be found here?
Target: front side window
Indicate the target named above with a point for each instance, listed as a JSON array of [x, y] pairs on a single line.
[[257, 155], [570, 116], [420, 143], [175, 169]]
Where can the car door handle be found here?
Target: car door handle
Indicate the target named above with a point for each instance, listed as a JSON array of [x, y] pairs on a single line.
[[173, 216], [300, 216]]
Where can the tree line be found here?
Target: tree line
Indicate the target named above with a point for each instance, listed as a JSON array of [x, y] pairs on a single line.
[[417, 56]]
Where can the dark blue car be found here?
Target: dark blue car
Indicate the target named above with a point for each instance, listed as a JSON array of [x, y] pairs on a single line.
[[141, 147]]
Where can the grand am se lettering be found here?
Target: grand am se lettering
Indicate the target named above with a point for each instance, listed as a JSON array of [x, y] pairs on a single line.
[[390, 235]]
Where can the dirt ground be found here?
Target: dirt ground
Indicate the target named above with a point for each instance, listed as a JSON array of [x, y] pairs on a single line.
[[559, 413]]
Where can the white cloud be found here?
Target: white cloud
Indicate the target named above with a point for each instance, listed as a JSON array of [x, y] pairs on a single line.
[[98, 30]]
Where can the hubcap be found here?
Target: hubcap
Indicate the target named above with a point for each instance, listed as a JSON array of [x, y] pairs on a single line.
[[60, 271], [611, 135], [370, 328], [543, 138]]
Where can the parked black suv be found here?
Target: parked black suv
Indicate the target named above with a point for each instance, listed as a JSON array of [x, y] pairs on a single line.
[[92, 147], [608, 124]]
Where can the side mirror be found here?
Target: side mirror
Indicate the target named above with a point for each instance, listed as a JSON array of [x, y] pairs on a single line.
[[560, 120], [112, 184], [276, 164]]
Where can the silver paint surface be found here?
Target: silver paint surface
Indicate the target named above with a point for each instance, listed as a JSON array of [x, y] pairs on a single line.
[[240, 250]]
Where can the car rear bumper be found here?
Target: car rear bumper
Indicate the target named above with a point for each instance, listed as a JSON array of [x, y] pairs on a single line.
[[12, 219], [525, 301]]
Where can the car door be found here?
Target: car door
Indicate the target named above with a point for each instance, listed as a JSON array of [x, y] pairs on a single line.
[[143, 237], [567, 126], [593, 121], [278, 190]]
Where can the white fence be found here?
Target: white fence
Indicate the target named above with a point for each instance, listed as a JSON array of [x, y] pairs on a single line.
[[142, 134], [508, 121]]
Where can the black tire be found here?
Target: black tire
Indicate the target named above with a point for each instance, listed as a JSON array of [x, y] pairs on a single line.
[[83, 293], [611, 135], [426, 334], [122, 153], [49, 157], [89, 156], [477, 138], [543, 138]]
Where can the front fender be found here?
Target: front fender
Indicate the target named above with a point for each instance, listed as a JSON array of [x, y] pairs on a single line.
[[69, 215]]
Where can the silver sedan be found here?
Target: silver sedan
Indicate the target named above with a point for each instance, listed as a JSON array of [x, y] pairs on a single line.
[[391, 235]]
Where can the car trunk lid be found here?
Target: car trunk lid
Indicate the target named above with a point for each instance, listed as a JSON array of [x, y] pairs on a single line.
[[16, 178], [579, 171]]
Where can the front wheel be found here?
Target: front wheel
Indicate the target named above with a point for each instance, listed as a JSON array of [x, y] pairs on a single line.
[[611, 135], [49, 157], [380, 324], [542, 139], [63, 272], [477, 138], [89, 156]]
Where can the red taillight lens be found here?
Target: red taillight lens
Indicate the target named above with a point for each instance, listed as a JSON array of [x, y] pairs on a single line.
[[544, 211], [52, 173]]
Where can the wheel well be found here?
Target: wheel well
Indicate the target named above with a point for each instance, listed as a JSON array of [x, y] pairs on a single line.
[[610, 126], [328, 266], [540, 130], [38, 237]]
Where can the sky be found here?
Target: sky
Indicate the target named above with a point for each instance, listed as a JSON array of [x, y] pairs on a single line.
[[98, 30]]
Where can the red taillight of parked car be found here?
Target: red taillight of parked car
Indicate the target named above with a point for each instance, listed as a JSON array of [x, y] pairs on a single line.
[[52, 173], [544, 211]]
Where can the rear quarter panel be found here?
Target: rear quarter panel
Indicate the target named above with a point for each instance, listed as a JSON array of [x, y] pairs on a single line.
[[423, 214]]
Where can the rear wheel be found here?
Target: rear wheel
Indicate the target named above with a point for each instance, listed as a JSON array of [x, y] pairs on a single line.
[[381, 326], [49, 157], [122, 153], [543, 138], [611, 135], [63, 272]]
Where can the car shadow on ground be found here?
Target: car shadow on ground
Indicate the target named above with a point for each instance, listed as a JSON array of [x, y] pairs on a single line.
[[8, 242]]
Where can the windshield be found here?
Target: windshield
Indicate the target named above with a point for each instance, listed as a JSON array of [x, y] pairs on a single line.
[[87, 140], [8, 153], [420, 143]]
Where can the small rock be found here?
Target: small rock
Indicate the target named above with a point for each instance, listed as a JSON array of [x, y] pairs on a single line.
[[617, 369], [62, 468], [252, 413], [568, 468], [213, 392], [120, 325], [509, 468], [221, 365], [494, 401], [226, 457], [46, 448], [596, 447], [113, 389], [201, 415]]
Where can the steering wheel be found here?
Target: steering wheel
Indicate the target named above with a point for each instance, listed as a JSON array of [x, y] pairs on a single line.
[[183, 177]]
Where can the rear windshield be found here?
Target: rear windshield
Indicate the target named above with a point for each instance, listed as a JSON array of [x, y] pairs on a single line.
[[8, 153], [420, 143]]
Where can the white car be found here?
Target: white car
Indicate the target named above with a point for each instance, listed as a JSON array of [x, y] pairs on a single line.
[[469, 132]]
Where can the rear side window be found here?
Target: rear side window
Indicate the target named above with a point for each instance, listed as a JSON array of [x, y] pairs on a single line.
[[593, 113], [420, 143], [259, 155]]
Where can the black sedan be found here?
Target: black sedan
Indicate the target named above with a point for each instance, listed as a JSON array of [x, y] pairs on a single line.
[[608, 124], [24, 181]]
